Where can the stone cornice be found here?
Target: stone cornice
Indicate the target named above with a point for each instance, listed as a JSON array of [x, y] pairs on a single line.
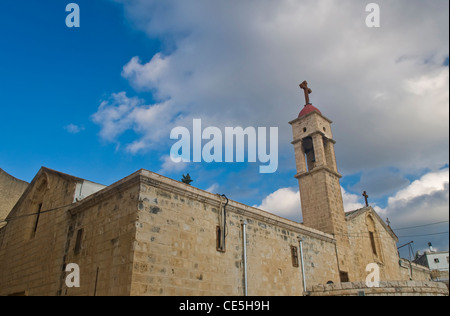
[[309, 114], [179, 188], [187, 191], [317, 169]]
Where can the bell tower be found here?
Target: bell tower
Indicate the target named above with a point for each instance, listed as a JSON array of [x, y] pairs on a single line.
[[318, 178]]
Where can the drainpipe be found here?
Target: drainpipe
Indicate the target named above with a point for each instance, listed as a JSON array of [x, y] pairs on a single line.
[[244, 234], [300, 241]]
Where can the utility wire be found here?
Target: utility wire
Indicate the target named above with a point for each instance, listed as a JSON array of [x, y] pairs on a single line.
[[441, 233], [401, 228], [31, 214]]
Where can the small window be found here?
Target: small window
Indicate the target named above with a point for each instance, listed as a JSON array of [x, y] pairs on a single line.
[[372, 243], [37, 218], [343, 276], [436, 260], [78, 242], [294, 255]]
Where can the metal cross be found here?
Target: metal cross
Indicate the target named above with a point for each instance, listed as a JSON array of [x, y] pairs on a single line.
[[304, 86], [365, 198]]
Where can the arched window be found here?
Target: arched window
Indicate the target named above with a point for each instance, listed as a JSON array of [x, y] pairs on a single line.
[[374, 238], [37, 200]]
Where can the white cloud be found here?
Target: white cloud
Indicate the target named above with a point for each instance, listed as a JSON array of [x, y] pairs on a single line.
[[425, 200], [74, 129], [145, 76], [284, 202], [120, 113], [168, 166], [240, 64], [213, 188], [351, 201], [426, 185]]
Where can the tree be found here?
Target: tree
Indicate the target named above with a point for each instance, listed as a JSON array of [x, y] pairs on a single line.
[[187, 179]]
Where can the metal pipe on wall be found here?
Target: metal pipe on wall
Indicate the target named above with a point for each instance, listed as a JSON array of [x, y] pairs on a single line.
[[244, 240], [300, 241]]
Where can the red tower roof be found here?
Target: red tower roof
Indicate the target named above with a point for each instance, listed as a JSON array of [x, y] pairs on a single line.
[[308, 109]]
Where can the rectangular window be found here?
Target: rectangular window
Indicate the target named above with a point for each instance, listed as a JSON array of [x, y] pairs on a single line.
[[372, 242], [78, 241], [294, 255], [436, 260], [37, 218], [343, 276]]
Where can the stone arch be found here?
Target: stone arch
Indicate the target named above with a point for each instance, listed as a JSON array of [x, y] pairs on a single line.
[[374, 238]]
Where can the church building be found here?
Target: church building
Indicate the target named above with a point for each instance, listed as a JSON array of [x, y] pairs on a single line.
[[150, 235]]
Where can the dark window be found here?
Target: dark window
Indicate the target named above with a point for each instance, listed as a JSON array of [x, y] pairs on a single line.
[[78, 241], [343, 276], [294, 255], [37, 217], [372, 242]]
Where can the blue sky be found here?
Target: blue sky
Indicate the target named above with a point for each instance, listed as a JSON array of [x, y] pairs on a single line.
[[233, 64]]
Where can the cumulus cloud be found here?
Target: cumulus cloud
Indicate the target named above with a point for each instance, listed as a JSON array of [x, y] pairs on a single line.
[[351, 201], [240, 63], [420, 211], [168, 166], [121, 113], [423, 201], [145, 76], [284, 202]]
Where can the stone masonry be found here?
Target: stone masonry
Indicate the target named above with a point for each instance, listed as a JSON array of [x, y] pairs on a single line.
[[11, 189]]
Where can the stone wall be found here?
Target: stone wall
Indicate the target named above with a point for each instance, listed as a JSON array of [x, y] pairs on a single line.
[[386, 288], [176, 254], [150, 235], [385, 254], [100, 239], [419, 272], [31, 249], [11, 189]]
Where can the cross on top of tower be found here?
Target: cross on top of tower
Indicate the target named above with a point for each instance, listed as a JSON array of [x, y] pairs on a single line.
[[307, 91], [365, 198]]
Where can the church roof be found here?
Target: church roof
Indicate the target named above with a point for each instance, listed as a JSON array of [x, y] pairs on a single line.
[[308, 109], [352, 214]]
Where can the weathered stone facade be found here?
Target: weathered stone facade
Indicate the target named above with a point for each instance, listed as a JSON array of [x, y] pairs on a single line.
[[11, 189], [386, 288], [372, 241], [150, 235]]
